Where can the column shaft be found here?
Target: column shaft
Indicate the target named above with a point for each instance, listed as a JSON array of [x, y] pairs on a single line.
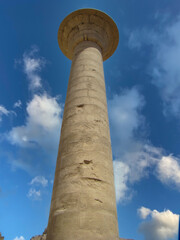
[[83, 205]]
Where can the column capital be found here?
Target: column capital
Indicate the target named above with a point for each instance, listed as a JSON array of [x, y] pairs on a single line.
[[88, 25]]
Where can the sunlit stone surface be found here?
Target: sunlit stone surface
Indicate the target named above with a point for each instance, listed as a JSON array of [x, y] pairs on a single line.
[[83, 205]]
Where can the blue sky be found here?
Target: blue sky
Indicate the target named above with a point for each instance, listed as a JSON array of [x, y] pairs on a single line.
[[142, 84]]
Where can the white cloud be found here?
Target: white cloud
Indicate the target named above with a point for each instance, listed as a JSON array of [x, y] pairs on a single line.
[[121, 171], [42, 127], [32, 65], [3, 111], [134, 155], [168, 170], [19, 238], [160, 226], [144, 212], [17, 104], [125, 119], [39, 180], [139, 37], [164, 67], [34, 194]]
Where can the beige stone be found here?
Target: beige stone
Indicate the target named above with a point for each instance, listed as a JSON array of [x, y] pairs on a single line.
[[83, 205], [40, 237]]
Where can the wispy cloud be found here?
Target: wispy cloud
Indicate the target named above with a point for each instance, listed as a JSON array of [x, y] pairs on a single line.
[[39, 180], [36, 191], [164, 64], [17, 104], [34, 194], [160, 225], [32, 65], [3, 111]]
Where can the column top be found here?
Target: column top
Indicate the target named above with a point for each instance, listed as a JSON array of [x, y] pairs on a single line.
[[88, 25]]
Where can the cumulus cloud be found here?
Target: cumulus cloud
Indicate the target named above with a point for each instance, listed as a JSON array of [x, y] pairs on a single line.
[[144, 212], [3, 111], [34, 194], [168, 170], [19, 238], [32, 65], [42, 126], [39, 180], [164, 64], [160, 225], [133, 155]]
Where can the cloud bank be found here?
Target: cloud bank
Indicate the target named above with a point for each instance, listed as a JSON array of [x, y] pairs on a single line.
[[160, 225], [134, 156]]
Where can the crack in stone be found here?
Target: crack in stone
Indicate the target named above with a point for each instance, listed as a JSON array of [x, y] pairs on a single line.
[[95, 179], [80, 106], [98, 200], [88, 161]]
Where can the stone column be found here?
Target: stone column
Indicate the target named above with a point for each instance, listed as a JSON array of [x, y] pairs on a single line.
[[83, 205]]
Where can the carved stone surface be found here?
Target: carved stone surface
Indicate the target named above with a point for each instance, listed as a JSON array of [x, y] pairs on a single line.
[[88, 25], [83, 205], [40, 237]]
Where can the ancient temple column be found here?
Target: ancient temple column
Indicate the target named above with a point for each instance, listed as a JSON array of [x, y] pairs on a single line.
[[83, 205]]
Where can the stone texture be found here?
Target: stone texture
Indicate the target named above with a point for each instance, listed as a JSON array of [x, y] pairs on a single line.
[[83, 204], [88, 25], [40, 237]]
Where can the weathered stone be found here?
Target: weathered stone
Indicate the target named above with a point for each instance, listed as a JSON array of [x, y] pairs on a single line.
[[83, 205], [40, 237]]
